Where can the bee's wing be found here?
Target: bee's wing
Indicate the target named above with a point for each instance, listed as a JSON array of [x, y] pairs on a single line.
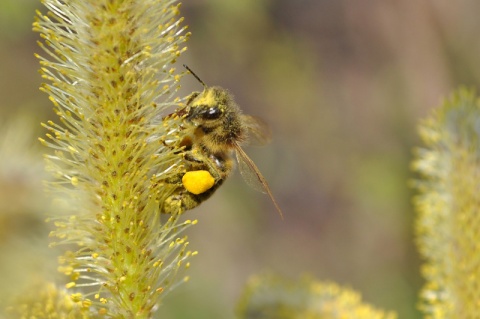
[[252, 175], [257, 130]]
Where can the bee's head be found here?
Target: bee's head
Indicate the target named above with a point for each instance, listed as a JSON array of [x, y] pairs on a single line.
[[215, 112]]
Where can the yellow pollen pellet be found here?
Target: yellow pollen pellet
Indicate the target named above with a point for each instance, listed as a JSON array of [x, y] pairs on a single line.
[[198, 182]]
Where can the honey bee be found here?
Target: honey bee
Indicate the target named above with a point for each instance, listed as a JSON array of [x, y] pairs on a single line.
[[215, 129]]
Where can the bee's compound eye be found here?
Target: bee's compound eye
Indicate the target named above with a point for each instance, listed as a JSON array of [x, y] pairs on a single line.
[[212, 113]]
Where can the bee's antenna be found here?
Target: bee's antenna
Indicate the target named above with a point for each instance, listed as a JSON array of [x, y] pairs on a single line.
[[196, 76]]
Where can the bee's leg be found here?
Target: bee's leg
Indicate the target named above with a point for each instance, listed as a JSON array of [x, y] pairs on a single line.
[[197, 161], [182, 200]]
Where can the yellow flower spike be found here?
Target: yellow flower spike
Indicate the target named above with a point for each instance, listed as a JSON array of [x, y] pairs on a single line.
[[447, 208], [269, 296], [198, 182], [45, 300], [109, 87]]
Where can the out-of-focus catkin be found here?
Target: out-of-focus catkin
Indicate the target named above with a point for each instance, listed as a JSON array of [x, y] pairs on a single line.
[[448, 222]]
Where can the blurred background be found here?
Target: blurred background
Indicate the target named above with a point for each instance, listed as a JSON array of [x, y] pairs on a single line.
[[342, 84]]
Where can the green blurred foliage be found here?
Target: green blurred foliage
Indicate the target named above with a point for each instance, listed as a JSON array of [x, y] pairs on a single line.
[[15, 21], [342, 84]]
